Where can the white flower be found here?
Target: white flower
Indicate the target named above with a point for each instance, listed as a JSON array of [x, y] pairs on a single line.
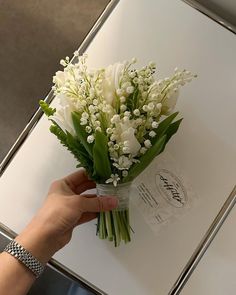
[[154, 124], [123, 107], [147, 143], [112, 76], [109, 130], [130, 89], [122, 99], [62, 117], [119, 92], [143, 150], [83, 121], [126, 150], [127, 114], [85, 115], [61, 77], [99, 129], [145, 108], [151, 106], [169, 103], [115, 119], [90, 139], [136, 112], [114, 179], [126, 133], [152, 133], [95, 102], [88, 129], [124, 163]]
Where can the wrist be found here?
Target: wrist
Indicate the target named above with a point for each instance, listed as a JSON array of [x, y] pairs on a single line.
[[38, 241]]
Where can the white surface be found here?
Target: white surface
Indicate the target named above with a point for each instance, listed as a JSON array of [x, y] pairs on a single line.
[[215, 274], [173, 34]]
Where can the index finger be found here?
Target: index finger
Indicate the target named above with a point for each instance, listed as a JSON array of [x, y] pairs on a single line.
[[76, 179]]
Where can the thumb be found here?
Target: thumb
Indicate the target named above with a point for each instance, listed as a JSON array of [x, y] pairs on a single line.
[[96, 204]]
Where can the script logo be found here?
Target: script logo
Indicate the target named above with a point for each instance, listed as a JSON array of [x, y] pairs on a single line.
[[171, 188]]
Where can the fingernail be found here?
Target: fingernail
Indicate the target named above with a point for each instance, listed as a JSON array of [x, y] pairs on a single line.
[[112, 202]]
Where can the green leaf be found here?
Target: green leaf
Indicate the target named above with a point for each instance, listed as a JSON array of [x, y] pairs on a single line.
[[46, 108], [163, 126], [81, 133], [171, 130], [75, 147], [146, 159], [102, 166], [135, 98]]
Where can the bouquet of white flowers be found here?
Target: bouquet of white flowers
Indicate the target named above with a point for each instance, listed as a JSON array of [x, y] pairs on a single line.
[[115, 121]]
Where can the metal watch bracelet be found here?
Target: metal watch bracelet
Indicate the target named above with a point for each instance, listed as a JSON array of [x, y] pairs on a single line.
[[25, 257]]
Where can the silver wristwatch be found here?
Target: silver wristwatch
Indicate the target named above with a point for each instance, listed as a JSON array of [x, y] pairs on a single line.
[[25, 257]]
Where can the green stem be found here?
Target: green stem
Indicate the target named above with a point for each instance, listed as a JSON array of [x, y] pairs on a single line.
[[114, 226], [109, 226]]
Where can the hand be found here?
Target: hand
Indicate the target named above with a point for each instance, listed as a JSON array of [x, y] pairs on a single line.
[[63, 209]]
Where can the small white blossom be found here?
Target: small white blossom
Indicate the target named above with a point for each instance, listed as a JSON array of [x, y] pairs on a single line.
[[119, 92], [88, 129], [85, 115], [123, 163], [83, 102], [127, 114], [126, 150], [145, 108], [95, 102], [114, 179], [91, 109], [152, 133], [115, 119], [63, 63], [109, 130], [136, 112], [132, 74], [143, 150], [90, 139], [147, 143], [99, 129], [130, 89], [122, 99], [151, 106], [113, 137], [154, 124], [123, 107], [83, 121]]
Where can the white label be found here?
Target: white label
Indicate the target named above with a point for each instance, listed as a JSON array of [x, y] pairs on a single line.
[[161, 193]]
